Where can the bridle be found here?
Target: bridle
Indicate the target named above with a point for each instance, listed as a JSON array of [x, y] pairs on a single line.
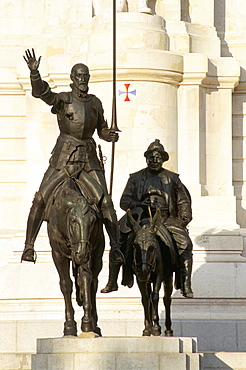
[[80, 241]]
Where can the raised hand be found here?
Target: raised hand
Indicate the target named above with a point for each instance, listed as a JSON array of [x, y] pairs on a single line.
[[31, 60]]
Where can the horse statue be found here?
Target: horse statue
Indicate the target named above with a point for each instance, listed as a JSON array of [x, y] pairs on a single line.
[[152, 264], [75, 231]]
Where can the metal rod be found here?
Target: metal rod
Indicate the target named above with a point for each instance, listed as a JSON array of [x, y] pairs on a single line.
[[112, 169], [114, 114]]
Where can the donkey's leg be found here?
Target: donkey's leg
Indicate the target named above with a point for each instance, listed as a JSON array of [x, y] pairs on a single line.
[[168, 289], [145, 290], [84, 280], [156, 330], [63, 264]]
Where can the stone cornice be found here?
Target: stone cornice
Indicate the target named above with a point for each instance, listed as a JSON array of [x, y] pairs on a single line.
[[241, 88], [11, 88], [138, 74], [105, 75], [193, 78], [25, 84], [221, 82], [211, 73], [212, 82], [135, 74]]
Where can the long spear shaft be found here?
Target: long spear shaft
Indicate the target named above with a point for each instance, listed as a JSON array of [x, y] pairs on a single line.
[[114, 114]]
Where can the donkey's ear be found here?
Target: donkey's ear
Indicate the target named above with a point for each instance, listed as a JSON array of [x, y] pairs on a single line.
[[134, 225], [156, 222]]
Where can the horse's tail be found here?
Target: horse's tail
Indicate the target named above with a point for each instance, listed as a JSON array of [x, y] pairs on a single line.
[[79, 298]]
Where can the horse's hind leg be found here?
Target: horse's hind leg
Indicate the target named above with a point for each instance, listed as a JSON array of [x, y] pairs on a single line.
[[168, 289], [63, 264]]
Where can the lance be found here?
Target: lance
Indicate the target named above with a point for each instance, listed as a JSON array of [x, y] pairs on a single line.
[[114, 126]]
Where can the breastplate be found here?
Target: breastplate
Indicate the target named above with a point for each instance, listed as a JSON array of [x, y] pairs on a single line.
[[78, 119]]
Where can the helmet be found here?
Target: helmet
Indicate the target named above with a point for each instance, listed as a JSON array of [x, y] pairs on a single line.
[[156, 145]]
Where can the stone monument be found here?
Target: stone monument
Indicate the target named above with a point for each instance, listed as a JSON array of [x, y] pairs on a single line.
[[181, 73]]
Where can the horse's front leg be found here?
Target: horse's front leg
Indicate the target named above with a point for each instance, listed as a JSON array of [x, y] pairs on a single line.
[[156, 329], [168, 289], [84, 280], [96, 268], [63, 267], [145, 290]]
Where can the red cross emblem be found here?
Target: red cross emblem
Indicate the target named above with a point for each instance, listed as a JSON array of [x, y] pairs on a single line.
[[127, 92]]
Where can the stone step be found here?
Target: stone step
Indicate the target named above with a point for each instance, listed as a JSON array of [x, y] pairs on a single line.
[[151, 344], [116, 353], [223, 361], [122, 361]]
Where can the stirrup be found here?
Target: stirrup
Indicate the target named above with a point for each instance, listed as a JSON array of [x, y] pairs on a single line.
[[116, 257], [29, 255]]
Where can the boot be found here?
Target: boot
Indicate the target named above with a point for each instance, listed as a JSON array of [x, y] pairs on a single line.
[[34, 222], [185, 273], [111, 225], [112, 285], [116, 257]]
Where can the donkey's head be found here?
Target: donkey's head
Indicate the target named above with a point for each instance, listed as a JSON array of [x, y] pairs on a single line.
[[145, 245]]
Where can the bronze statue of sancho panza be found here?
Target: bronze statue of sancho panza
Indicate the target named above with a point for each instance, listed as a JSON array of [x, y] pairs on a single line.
[[152, 188]]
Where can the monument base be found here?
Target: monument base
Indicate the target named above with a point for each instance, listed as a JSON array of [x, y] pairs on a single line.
[[116, 353]]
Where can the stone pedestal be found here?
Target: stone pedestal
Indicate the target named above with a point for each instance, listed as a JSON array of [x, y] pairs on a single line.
[[116, 353]]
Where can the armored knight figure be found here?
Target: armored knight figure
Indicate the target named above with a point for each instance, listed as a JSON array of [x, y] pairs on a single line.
[[79, 114], [155, 187]]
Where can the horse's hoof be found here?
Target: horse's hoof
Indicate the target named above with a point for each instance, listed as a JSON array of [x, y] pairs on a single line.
[[70, 328], [87, 325], [168, 333], [97, 330], [156, 331], [146, 333]]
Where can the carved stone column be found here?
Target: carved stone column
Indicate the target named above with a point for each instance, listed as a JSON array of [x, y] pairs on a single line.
[[205, 136]]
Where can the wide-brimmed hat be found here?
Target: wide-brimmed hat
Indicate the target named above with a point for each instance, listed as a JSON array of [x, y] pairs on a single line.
[[156, 145]]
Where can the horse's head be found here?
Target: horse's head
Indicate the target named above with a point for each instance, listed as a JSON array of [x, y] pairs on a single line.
[[144, 246], [80, 222]]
